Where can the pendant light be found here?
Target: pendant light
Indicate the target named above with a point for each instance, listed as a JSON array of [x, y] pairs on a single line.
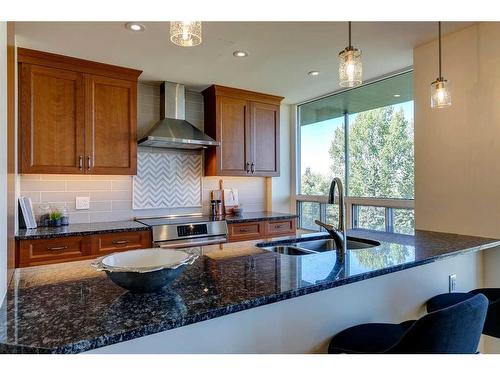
[[440, 88], [185, 33], [350, 66]]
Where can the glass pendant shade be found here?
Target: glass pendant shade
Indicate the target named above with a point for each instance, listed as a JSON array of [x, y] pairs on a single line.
[[185, 33], [350, 67], [440, 93]]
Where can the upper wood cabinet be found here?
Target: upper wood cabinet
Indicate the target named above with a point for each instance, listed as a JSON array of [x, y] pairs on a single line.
[[76, 116], [247, 125]]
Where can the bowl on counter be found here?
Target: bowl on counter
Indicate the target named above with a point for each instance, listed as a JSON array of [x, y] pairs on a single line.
[[146, 270]]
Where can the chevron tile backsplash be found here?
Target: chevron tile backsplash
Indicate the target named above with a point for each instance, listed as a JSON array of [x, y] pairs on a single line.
[[167, 180]]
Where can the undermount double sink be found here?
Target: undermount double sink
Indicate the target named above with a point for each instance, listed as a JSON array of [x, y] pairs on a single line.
[[319, 246]]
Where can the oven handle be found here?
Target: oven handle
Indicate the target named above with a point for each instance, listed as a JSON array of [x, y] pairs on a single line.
[[184, 244]]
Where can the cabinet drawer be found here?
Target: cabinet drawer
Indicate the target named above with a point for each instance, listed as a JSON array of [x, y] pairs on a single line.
[[280, 227], [53, 250], [246, 231], [122, 241]]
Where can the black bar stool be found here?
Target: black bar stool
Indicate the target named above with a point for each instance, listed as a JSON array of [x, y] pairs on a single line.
[[453, 329], [492, 324]]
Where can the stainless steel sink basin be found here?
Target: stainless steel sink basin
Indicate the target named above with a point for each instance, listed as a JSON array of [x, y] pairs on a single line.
[[320, 246], [288, 250], [329, 244]]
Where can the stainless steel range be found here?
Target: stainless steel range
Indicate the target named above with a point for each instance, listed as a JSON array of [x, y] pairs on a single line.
[[177, 232]]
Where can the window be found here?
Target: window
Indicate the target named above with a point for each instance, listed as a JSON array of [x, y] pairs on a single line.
[[365, 136]]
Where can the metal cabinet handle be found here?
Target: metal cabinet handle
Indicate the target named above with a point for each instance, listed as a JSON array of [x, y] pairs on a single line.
[[253, 167], [278, 226], [120, 242], [248, 167], [89, 163], [80, 162], [57, 248], [244, 230]]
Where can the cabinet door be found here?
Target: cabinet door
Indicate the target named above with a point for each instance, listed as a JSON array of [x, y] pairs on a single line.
[[246, 231], [111, 123], [234, 134], [265, 139], [53, 250], [51, 130], [120, 241]]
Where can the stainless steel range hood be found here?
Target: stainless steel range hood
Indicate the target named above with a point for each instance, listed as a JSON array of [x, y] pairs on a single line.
[[173, 131]]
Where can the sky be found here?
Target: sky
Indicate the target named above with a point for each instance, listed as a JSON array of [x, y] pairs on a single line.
[[316, 140]]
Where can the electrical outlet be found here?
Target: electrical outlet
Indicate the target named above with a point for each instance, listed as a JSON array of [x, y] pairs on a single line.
[[82, 203], [452, 283]]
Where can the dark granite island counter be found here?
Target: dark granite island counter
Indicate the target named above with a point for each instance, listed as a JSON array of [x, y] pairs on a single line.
[[70, 308]]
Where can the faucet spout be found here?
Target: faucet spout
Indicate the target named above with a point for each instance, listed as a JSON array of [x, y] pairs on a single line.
[[337, 233]]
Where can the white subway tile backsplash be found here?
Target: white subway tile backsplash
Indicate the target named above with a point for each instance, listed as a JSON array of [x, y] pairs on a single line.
[[88, 185], [39, 185], [62, 196], [110, 216], [121, 205], [122, 185], [64, 177], [119, 195]]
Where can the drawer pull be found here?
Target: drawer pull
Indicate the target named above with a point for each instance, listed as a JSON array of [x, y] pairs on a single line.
[[244, 230], [120, 242], [279, 226], [56, 248]]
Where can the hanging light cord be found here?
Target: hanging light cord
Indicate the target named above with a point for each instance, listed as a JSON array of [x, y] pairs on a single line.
[[350, 45], [439, 32]]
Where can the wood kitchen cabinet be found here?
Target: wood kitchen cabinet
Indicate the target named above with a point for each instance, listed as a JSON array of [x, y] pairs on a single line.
[[254, 230], [246, 124], [70, 248], [76, 116]]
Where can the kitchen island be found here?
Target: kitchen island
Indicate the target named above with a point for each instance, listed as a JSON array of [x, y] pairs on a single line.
[[295, 302]]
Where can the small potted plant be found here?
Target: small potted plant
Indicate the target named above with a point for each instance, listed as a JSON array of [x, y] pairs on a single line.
[[55, 218]]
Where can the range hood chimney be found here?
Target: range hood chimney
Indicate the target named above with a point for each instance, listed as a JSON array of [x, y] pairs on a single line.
[[173, 131]]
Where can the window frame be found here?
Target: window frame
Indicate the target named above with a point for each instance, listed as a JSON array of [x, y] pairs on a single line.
[[350, 202]]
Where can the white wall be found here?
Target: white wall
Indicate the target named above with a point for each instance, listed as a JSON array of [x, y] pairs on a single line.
[[3, 159], [306, 324], [457, 149]]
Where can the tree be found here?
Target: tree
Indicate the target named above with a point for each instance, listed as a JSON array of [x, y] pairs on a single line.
[[380, 154], [314, 183], [380, 164]]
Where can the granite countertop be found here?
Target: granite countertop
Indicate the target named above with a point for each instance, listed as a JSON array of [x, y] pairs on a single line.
[[259, 216], [70, 308], [80, 230], [130, 225]]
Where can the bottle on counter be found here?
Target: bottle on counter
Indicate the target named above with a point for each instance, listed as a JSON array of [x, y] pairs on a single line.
[[65, 216]]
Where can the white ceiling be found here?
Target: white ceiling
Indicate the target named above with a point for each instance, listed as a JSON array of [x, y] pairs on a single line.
[[280, 53]]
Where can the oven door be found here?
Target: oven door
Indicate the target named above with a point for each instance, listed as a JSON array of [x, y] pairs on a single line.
[[191, 242]]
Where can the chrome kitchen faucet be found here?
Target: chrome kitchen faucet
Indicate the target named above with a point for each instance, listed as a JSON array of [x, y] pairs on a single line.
[[338, 233]]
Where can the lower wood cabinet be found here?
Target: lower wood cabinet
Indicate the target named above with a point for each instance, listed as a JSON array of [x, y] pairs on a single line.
[[246, 231], [53, 250], [254, 230], [71, 248], [112, 242]]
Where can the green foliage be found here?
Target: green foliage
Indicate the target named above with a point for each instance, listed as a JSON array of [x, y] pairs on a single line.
[[314, 183], [380, 154], [55, 215]]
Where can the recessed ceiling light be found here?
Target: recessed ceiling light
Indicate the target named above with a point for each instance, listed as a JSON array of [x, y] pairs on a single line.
[[397, 95], [240, 54], [313, 73], [134, 26]]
